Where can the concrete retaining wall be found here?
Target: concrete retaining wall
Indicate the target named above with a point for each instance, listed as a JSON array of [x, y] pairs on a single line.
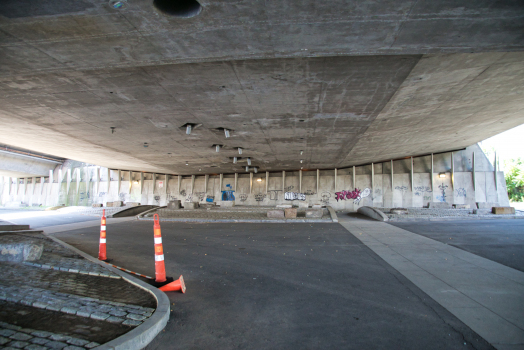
[[75, 184]]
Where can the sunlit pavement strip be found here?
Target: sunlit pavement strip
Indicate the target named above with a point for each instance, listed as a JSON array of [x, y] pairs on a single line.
[[84, 224], [487, 296]]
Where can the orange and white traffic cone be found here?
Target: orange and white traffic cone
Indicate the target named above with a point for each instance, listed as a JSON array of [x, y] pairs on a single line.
[[102, 248], [175, 286], [160, 268]]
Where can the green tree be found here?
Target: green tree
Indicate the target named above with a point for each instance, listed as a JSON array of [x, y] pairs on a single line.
[[514, 173]]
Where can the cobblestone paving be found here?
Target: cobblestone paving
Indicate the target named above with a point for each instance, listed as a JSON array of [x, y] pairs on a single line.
[[227, 214], [62, 284], [103, 310], [16, 337], [78, 284]]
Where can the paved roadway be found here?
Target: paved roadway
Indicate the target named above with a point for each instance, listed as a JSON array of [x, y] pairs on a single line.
[[281, 286], [498, 240]]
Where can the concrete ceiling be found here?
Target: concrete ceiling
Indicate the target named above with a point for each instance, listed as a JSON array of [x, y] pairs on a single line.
[[345, 82]]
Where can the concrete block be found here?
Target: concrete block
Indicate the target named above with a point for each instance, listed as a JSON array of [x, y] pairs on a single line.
[[227, 204], [503, 210], [317, 206], [290, 213], [275, 214], [132, 204], [461, 206], [303, 205], [109, 204], [399, 211], [97, 205], [117, 203], [174, 204], [439, 205], [486, 205], [18, 252], [284, 206], [191, 205], [314, 213]]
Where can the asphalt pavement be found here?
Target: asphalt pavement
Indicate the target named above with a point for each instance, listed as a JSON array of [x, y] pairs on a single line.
[[498, 240], [280, 286]]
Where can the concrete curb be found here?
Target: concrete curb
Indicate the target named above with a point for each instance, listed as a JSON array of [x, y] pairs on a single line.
[[141, 215], [458, 218], [373, 213], [333, 214], [139, 337], [277, 221]]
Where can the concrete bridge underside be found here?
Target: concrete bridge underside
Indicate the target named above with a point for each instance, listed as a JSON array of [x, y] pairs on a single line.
[[333, 84]]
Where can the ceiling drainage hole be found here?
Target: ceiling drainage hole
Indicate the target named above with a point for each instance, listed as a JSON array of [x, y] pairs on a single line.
[[178, 8]]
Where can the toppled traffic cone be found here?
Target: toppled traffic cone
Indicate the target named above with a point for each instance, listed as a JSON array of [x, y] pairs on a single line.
[[175, 286], [165, 284]]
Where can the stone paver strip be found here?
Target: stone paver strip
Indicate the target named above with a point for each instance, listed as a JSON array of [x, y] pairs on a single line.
[[74, 305]]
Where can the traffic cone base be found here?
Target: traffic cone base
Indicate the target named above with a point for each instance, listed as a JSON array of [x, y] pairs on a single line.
[[175, 286]]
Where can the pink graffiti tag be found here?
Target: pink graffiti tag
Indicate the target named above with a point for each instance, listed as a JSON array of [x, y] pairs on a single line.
[[357, 195], [343, 195]]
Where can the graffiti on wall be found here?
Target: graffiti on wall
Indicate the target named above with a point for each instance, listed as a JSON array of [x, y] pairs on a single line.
[[228, 195], [420, 190], [210, 199], [273, 195], [309, 193], [291, 196], [243, 197], [461, 192], [289, 188], [157, 198], [101, 194], [260, 197], [442, 196], [325, 198], [200, 195], [183, 193], [189, 197], [356, 195], [402, 189]]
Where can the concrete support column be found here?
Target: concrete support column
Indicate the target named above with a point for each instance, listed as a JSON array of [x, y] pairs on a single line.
[[354, 178], [221, 182], [97, 175], [250, 182], [25, 186], [318, 179], [300, 181], [283, 181], [432, 181], [141, 183], [179, 182], [372, 181], [50, 182], [154, 182], [206, 180], [130, 181], [108, 179], [167, 183], [412, 185], [42, 181], [267, 181], [495, 173], [17, 186], [78, 179], [193, 182], [473, 174], [453, 173], [392, 175], [119, 180], [88, 179], [335, 185], [69, 179], [236, 181], [33, 185]]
